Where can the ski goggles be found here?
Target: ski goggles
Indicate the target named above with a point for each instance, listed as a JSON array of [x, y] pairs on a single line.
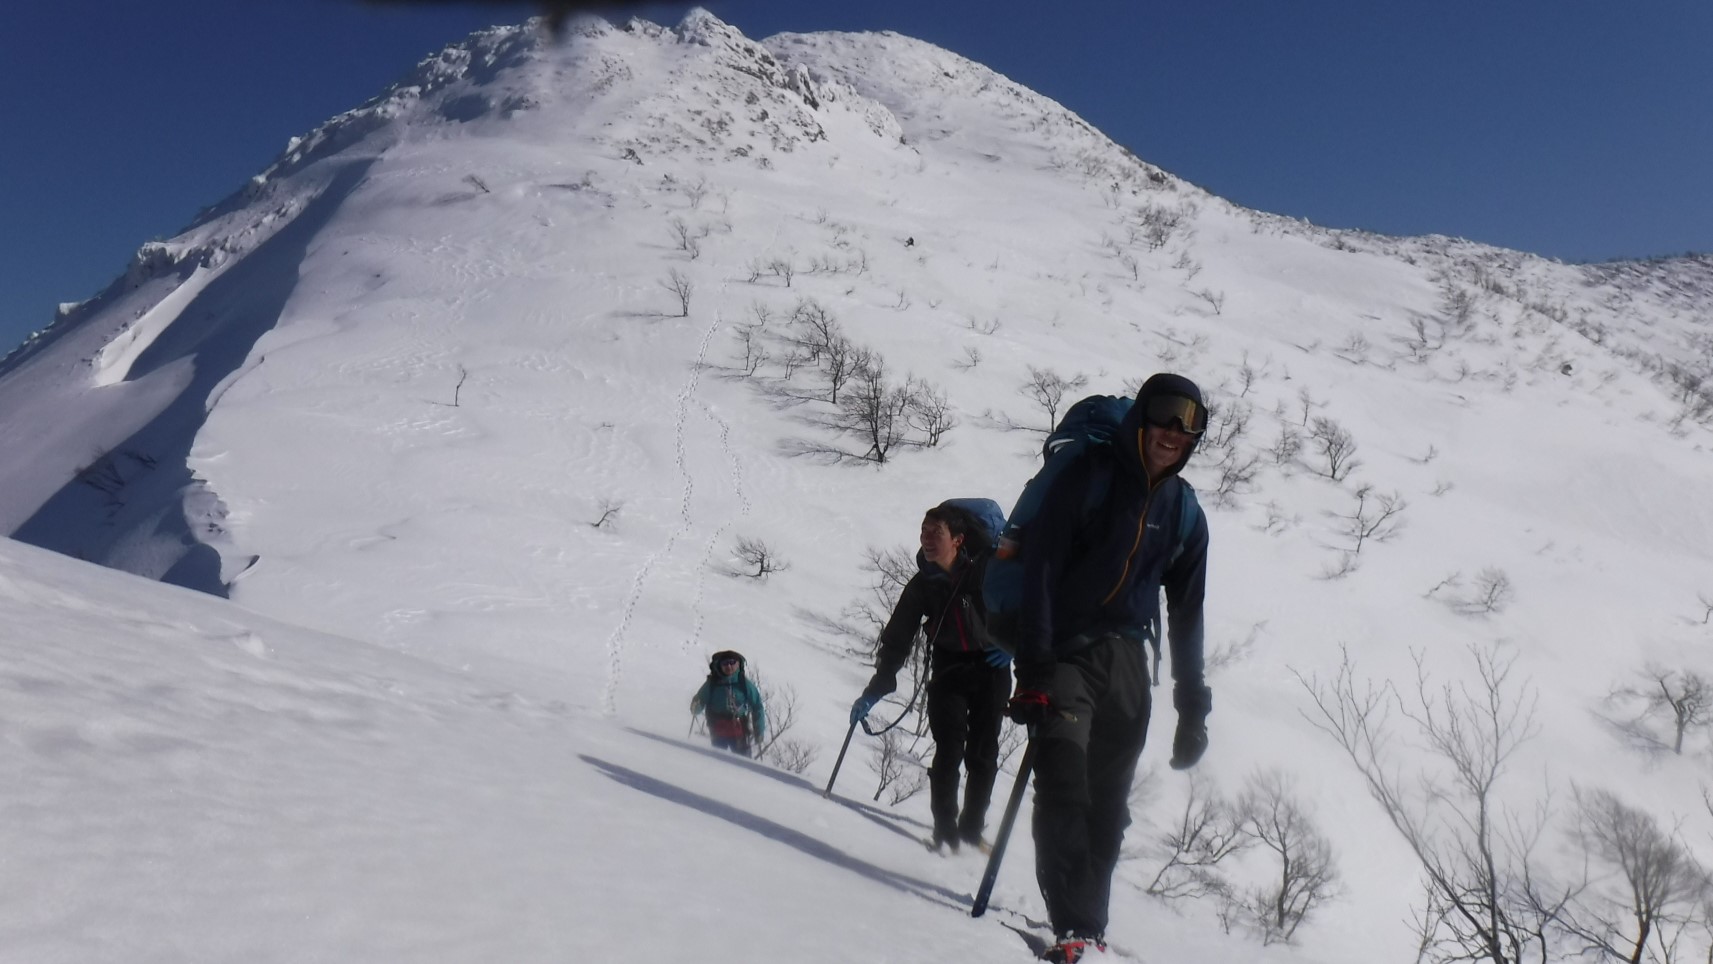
[[1164, 410]]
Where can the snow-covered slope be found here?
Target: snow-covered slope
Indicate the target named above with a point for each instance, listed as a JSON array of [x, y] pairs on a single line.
[[188, 781], [496, 371]]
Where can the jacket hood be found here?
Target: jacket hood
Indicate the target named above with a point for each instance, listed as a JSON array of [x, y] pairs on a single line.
[[1163, 383]]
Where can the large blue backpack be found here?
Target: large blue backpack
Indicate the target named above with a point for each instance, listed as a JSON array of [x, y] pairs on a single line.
[[1088, 424], [986, 512]]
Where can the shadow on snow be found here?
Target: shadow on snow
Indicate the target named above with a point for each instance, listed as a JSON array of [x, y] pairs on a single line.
[[795, 839]]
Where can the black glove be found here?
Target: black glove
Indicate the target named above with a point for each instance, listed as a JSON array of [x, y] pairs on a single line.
[[1033, 699], [1028, 707], [1188, 743], [1193, 702]]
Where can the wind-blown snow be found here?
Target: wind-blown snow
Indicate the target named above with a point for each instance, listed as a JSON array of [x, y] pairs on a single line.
[[381, 397]]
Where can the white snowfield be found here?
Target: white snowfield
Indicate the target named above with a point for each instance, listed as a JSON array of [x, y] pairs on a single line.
[[467, 402]]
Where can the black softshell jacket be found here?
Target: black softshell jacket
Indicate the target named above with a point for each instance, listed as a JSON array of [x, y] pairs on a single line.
[[950, 602]]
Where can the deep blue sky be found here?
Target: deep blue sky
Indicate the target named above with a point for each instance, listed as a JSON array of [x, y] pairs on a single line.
[[1577, 129]]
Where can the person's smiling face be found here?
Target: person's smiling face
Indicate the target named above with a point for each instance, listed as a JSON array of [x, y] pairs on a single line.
[[1163, 448], [939, 546]]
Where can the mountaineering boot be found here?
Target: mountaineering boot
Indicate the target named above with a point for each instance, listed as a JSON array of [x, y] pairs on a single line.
[[1069, 949]]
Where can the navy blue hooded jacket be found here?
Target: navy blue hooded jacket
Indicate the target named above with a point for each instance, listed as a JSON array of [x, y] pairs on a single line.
[[1088, 573]]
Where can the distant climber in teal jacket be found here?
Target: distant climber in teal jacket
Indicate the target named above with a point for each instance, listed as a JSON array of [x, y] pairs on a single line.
[[732, 705]]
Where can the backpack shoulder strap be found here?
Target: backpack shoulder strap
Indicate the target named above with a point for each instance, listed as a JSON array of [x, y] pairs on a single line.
[[1188, 508], [1099, 478]]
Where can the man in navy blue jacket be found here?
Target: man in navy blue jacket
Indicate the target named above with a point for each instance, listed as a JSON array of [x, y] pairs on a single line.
[[1106, 540]]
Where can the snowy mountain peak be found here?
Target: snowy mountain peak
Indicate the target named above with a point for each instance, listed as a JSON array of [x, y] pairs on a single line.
[[701, 27]]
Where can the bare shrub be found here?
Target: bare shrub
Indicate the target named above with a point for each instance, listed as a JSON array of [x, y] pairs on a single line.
[[859, 623], [609, 510], [1286, 446], [1345, 563], [780, 706], [694, 193], [1226, 654], [813, 328], [1337, 449], [681, 288], [1306, 873], [1207, 831], [1047, 389], [757, 554], [841, 361], [1227, 424], [1248, 375], [876, 410], [900, 772], [1423, 343], [1155, 224], [1374, 518], [752, 342], [1236, 476], [686, 238], [1012, 739], [1485, 901], [1491, 593], [1306, 404], [1653, 890], [1661, 709], [930, 413], [1456, 308]]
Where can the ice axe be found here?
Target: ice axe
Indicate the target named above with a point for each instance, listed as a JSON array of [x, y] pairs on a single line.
[[1004, 835]]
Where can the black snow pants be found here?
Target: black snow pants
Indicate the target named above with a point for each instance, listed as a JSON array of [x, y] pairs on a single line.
[[966, 704], [1085, 760]]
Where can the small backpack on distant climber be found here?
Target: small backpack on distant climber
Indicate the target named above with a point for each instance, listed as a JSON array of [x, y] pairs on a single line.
[[1088, 424]]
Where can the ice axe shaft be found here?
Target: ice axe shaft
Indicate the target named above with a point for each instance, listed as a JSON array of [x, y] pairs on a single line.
[[1005, 824], [840, 761]]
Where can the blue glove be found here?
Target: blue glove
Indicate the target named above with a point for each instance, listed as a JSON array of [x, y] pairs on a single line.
[[860, 708], [996, 657]]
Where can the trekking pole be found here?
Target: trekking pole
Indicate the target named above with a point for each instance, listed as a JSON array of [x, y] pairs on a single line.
[[1004, 835], [828, 793]]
